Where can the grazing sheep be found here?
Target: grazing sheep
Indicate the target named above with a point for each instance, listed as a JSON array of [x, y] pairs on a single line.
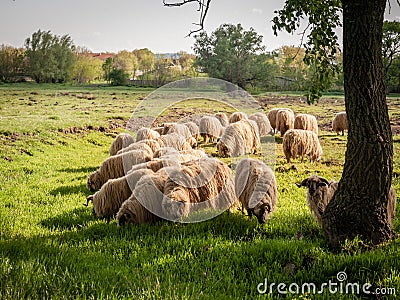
[[144, 205], [223, 118], [256, 188], [145, 133], [153, 144], [320, 192], [198, 186], [339, 123], [284, 120], [237, 116], [160, 130], [115, 167], [193, 128], [306, 122], [108, 200], [168, 151], [239, 138], [180, 129], [210, 128], [300, 143], [272, 117], [174, 140], [136, 146], [156, 164], [264, 126], [122, 140], [167, 127]]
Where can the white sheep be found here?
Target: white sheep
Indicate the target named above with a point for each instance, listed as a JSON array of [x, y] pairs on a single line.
[[300, 143], [174, 140], [145, 133], [256, 188], [223, 118], [239, 138], [264, 126], [122, 140], [210, 128], [284, 120], [115, 167], [237, 116], [306, 122]]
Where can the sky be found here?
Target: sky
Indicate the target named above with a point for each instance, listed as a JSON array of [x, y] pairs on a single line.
[[104, 25]]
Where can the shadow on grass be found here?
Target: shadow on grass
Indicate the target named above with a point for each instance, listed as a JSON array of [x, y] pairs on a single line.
[[71, 189], [79, 170], [76, 218]]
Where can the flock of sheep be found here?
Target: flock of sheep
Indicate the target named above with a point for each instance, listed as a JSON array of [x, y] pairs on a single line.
[[162, 175]]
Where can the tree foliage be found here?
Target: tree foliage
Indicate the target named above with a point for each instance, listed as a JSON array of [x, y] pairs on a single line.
[[146, 59], [107, 69], [118, 77], [126, 61], [11, 62], [322, 42], [50, 57], [86, 69], [230, 53]]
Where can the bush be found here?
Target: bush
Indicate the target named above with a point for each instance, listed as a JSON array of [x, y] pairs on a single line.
[[119, 77]]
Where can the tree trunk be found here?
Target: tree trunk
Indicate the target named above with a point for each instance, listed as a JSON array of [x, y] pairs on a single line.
[[359, 207]]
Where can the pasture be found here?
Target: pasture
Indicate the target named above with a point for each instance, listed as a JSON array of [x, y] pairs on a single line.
[[52, 247]]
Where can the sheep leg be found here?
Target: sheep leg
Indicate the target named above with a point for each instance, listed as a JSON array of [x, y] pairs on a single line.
[[88, 199]]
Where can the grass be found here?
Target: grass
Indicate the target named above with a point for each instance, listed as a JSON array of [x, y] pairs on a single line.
[[52, 247]]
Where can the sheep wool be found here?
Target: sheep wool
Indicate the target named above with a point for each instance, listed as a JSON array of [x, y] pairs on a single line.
[[193, 128], [174, 140], [339, 123], [256, 188], [223, 118], [108, 200], [264, 126], [210, 128], [121, 141], [137, 146], [180, 129], [306, 122], [197, 187], [237, 116], [144, 205], [272, 117], [239, 138], [115, 167], [145, 133], [300, 143], [284, 120]]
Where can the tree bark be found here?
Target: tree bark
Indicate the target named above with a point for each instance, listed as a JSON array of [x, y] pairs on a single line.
[[359, 207]]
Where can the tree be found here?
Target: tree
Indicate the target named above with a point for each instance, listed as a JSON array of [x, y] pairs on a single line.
[[228, 53], [290, 60], [146, 60], [107, 69], [390, 43], [359, 207], [50, 57], [118, 77], [86, 69], [126, 61], [11, 62]]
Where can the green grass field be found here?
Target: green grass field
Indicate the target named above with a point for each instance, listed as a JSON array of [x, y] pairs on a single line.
[[52, 247]]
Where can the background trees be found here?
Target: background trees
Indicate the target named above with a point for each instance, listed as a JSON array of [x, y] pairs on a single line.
[[86, 69], [229, 53], [50, 57], [11, 62], [126, 61]]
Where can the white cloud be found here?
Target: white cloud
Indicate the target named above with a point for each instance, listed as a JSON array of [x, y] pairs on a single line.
[[257, 11]]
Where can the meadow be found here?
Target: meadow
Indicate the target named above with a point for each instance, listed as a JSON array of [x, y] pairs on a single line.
[[52, 247]]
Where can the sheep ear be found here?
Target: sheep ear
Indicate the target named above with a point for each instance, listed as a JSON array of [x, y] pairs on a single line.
[[303, 183], [324, 181]]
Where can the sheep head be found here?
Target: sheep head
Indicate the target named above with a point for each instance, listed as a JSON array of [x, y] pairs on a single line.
[[261, 212], [313, 184], [223, 150], [92, 182]]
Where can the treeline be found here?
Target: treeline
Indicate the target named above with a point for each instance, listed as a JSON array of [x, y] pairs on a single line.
[[230, 53]]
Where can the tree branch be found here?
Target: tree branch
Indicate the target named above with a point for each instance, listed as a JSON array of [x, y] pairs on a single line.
[[204, 6]]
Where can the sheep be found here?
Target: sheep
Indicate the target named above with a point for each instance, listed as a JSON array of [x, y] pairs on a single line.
[[237, 116], [145, 133], [180, 129], [300, 143], [339, 123], [256, 188], [167, 127], [306, 122], [115, 167], [160, 130], [153, 144], [198, 186], [108, 200], [223, 118], [319, 194], [156, 164], [284, 120], [263, 123], [122, 140], [239, 138], [174, 140], [136, 146], [144, 205], [210, 128], [272, 117], [193, 128], [168, 151]]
